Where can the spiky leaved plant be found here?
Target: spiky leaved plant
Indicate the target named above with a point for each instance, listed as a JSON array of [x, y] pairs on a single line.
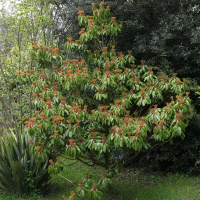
[[19, 173]]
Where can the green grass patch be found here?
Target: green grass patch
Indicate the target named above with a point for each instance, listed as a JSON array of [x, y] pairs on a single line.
[[127, 185], [132, 186]]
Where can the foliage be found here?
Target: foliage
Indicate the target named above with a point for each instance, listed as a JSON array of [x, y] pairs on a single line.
[[65, 18], [93, 108], [164, 33], [19, 173], [20, 25], [179, 157]]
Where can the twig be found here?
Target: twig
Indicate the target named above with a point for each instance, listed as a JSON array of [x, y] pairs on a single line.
[[65, 178]]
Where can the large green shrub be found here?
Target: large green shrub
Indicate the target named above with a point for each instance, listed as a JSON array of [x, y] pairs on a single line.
[[93, 108], [19, 173]]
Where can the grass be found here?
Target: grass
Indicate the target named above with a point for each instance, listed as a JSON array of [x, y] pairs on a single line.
[[128, 185], [146, 187]]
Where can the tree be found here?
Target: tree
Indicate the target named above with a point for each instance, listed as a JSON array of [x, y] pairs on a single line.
[[65, 18], [94, 107], [21, 24], [165, 34]]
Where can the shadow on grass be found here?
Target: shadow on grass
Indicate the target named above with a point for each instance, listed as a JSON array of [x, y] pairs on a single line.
[[127, 185], [132, 186]]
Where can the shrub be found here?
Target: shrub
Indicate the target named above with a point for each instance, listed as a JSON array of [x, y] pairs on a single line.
[[95, 107], [19, 173]]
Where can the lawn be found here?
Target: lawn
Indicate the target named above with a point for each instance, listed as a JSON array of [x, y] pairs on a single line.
[[127, 185]]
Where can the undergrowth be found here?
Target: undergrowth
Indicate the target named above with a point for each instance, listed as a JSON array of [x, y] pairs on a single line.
[[128, 185]]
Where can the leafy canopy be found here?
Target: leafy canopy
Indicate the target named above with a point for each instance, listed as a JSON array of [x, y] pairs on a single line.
[[94, 107]]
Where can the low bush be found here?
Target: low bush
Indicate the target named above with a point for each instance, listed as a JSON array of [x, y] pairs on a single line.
[[19, 173]]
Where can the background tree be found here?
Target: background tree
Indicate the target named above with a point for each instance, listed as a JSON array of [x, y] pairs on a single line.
[[21, 24]]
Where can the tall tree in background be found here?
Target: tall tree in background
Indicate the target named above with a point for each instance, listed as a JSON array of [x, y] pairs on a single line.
[[21, 24], [164, 33]]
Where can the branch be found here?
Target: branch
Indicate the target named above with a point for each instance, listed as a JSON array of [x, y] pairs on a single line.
[[65, 178], [132, 158], [87, 163], [161, 143], [72, 163]]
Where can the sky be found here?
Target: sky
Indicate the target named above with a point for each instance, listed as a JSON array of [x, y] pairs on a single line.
[[4, 3]]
